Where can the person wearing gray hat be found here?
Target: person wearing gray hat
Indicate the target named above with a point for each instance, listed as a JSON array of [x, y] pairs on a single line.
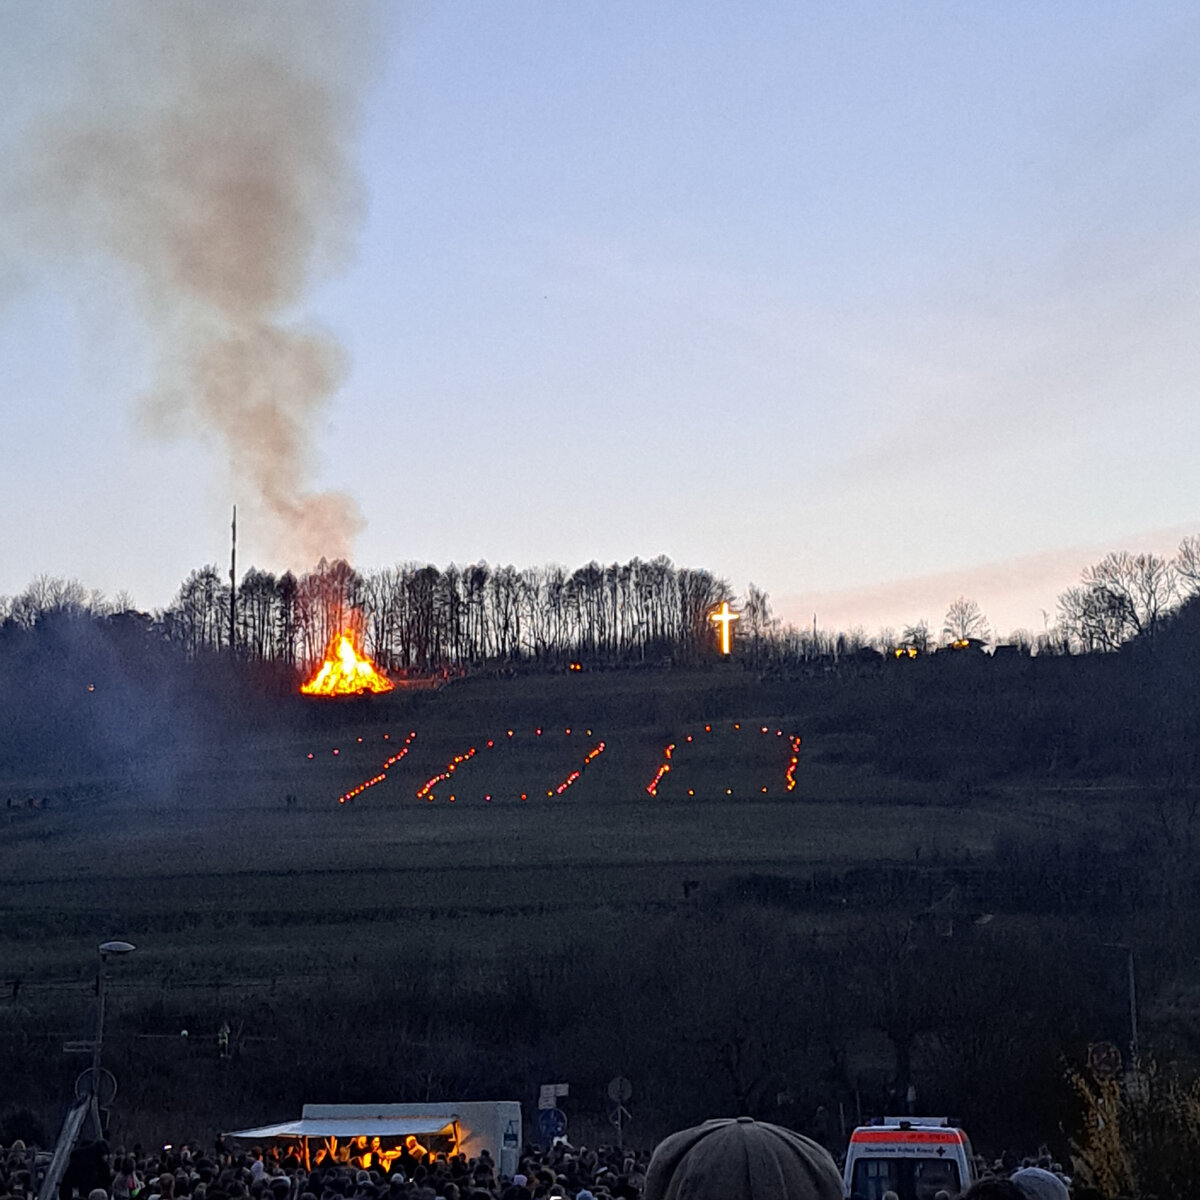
[[741, 1159], [1037, 1183]]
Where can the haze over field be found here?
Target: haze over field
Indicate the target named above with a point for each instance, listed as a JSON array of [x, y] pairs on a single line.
[[869, 306]]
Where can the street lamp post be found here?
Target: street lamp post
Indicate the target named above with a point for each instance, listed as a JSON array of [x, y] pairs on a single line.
[[105, 948], [88, 1086]]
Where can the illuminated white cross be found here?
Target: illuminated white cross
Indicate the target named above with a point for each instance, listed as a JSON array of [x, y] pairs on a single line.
[[724, 618]]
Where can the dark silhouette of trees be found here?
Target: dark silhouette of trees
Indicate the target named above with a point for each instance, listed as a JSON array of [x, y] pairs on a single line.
[[196, 618], [1187, 566], [417, 617], [1123, 596], [964, 621], [756, 617]]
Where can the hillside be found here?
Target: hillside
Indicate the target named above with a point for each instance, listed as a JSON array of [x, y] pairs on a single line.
[[963, 840]]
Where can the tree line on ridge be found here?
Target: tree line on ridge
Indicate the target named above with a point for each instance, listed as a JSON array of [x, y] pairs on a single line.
[[414, 617]]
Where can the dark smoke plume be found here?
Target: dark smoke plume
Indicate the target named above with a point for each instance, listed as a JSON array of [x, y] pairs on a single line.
[[207, 147]]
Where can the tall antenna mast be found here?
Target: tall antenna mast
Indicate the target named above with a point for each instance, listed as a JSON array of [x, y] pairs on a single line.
[[233, 584]]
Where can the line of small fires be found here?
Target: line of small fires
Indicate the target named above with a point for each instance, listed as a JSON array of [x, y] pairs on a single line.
[[427, 791], [789, 779]]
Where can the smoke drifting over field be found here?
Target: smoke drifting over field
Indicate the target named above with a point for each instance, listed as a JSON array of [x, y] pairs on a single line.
[[207, 147]]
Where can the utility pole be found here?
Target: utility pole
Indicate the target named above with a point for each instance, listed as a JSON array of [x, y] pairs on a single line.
[[233, 585]]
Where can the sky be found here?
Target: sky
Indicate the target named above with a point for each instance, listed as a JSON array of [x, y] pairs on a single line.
[[869, 304]]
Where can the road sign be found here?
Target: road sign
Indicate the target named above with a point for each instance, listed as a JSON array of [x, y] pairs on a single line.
[[548, 1094], [619, 1089], [1105, 1060], [552, 1123], [99, 1083]]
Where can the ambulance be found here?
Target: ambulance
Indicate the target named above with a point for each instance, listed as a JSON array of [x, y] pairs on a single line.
[[915, 1157]]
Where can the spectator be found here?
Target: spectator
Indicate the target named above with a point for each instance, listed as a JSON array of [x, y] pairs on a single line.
[[993, 1189], [126, 1185], [741, 1159], [1037, 1183]]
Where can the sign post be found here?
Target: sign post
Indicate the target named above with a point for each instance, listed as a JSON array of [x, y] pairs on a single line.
[[619, 1090], [552, 1121]]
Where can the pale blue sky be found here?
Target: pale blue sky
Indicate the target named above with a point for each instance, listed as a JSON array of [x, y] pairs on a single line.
[[869, 304]]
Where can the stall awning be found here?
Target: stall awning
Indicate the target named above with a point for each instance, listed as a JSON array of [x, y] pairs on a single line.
[[344, 1128]]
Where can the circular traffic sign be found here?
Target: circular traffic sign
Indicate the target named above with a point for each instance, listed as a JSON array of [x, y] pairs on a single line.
[[101, 1083], [1105, 1060], [552, 1123], [619, 1089]]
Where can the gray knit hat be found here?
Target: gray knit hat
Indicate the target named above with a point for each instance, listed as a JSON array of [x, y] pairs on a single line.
[[1040, 1184], [741, 1159]]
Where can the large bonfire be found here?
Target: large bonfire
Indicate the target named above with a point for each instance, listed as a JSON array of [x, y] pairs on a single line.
[[346, 671]]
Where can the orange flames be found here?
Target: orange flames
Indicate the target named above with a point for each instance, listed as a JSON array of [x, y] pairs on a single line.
[[345, 671]]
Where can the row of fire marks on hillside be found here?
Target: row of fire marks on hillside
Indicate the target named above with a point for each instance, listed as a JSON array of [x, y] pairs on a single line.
[[672, 748], [388, 762], [428, 790]]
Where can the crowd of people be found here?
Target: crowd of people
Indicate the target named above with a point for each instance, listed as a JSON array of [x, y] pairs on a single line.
[[97, 1171], [719, 1160]]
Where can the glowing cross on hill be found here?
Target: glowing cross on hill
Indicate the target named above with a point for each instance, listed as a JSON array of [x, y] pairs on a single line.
[[724, 618]]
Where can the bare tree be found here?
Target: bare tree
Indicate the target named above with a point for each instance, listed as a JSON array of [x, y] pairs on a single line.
[[1121, 597], [197, 614], [380, 598], [286, 623], [1152, 586], [49, 595], [258, 598], [698, 593], [555, 593], [328, 600], [916, 636], [1187, 566], [757, 613], [1093, 618], [964, 620]]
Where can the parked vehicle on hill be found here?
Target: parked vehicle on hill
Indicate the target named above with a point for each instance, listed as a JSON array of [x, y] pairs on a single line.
[[915, 1157]]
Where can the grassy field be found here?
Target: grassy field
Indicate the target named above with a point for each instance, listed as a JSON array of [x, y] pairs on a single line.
[[207, 867]]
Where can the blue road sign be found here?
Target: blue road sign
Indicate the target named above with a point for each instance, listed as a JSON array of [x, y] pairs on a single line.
[[552, 1123]]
